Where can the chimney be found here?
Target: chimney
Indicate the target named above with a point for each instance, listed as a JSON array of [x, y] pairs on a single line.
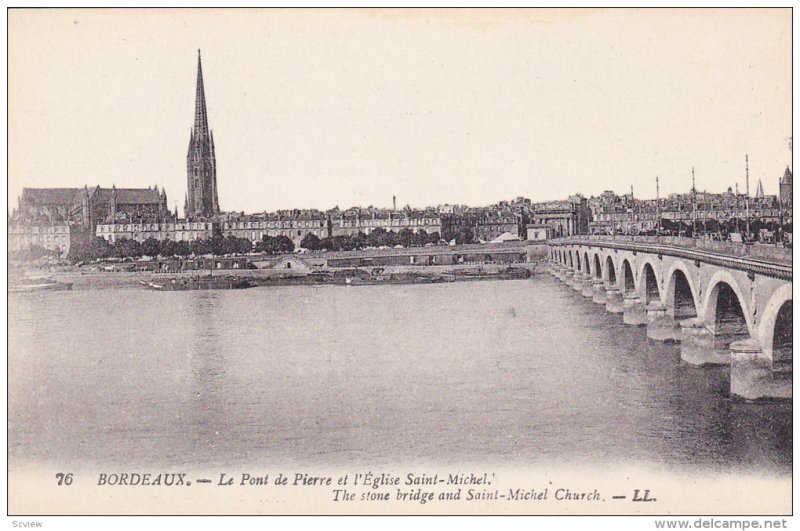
[[394, 203]]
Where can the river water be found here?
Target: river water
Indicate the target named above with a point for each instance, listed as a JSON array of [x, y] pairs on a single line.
[[495, 372]]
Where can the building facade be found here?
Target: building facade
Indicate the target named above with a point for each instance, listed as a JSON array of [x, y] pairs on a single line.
[[294, 224], [58, 237], [565, 217], [538, 233], [56, 218], [355, 220], [177, 231], [497, 224]]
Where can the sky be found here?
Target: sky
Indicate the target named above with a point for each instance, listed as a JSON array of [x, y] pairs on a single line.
[[324, 108]]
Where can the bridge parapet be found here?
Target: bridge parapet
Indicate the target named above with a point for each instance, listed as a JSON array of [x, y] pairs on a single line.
[[772, 253], [775, 262]]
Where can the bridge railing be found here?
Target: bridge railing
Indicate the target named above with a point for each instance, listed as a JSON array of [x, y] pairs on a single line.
[[770, 253]]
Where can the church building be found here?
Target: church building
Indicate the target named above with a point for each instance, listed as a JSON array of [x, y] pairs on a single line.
[[201, 163]]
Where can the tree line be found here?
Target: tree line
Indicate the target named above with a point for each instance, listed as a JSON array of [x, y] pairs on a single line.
[[379, 237], [99, 248]]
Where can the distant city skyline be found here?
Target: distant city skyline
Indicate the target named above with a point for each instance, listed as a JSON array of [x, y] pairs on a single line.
[[316, 109]]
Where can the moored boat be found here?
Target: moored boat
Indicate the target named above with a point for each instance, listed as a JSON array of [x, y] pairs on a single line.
[[198, 283], [38, 284]]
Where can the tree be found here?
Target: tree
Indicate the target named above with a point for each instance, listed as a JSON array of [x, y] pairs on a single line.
[[244, 246], [390, 239], [169, 248], [217, 243], [359, 240], [377, 237], [228, 245], [420, 238], [434, 238], [311, 242], [284, 244], [182, 248], [125, 248], [275, 244], [200, 247], [89, 249], [344, 243], [326, 243], [406, 237], [151, 247]]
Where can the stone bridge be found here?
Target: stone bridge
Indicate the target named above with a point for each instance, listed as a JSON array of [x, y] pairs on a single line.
[[726, 304]]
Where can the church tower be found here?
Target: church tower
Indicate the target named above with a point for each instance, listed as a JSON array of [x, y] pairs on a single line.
[[786, 188], [201, 164]]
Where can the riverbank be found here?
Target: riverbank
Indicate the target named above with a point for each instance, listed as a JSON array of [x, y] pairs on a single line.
[[83, 278]]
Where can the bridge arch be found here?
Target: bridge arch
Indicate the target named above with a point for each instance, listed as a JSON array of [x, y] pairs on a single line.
[[610, 271], [598, 269], [775, 327], [681, 297], [649, 289], [578, 260], [627, 280], [725, 309]]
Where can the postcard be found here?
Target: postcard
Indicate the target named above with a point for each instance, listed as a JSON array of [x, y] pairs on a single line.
[[400, 262]]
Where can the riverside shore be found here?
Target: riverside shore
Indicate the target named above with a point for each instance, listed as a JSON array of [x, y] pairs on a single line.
[[320, 264], [83, 278]]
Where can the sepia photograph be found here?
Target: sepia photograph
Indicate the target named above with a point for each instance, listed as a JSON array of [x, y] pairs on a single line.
[[365, 261]]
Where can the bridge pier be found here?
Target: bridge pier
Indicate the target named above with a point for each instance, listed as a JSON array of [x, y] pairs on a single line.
[[660, 326], [586, 286], [633, 310], [577, 284], [698, 345], [613, 299], [598, 291], [724, 306], [751, 373]]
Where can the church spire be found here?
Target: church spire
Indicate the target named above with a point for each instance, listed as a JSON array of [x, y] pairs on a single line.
[[200, 114], [201, 161]]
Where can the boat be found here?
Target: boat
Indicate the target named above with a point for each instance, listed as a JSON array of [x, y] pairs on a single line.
[[198, 283], [25, 285]]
